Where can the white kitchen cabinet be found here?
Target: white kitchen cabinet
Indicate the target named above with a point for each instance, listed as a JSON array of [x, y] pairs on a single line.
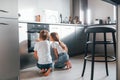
[[72, 36], [56, 28], [68, 37], [23, 38]]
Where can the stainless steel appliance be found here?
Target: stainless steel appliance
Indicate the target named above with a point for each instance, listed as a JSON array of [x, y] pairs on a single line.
[[33, 33], [9, 55]]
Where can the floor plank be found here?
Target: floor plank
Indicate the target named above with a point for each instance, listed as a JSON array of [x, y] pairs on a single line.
[[74, 73]]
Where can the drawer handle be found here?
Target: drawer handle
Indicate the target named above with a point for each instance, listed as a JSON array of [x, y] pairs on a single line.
[[3, 24], [4, 11]]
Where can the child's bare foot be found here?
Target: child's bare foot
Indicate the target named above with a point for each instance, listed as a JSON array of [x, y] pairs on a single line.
[[68, 64], [43, 71], [48, 72]]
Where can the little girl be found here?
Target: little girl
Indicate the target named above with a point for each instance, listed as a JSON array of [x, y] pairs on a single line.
[[42, 53], [60, 51]]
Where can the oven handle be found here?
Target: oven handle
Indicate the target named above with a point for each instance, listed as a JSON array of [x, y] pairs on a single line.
[[32, 31]]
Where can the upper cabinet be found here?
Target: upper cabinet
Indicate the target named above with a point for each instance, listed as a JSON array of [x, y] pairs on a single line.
[[8, 8], [115, 2]]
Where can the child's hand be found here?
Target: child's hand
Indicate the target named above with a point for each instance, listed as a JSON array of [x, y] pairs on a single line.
[[37, 40], [55, 61], [35, 55]]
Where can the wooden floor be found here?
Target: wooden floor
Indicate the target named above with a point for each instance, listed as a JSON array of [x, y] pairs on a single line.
[[74, 73]]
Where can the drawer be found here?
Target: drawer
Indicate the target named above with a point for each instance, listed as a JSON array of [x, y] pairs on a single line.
[[9, 8]]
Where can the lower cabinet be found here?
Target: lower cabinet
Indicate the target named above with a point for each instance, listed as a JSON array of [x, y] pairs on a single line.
[[72, 36], [69, 38], [80, 39]]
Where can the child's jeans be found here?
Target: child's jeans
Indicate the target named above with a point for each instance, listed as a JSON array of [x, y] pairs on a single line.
[[62, 59], [44, 66]]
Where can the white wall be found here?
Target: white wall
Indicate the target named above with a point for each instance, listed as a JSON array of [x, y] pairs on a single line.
[[29, 8], [100, 9]]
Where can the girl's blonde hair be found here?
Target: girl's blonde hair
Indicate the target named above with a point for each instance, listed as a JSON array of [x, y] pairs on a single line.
[[54, 36], [44, 34]]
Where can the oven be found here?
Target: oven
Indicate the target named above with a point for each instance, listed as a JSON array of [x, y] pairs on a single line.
[[33, 33]]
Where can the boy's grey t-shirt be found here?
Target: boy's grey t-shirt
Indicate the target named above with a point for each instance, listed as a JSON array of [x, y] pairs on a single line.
[[43, 52]]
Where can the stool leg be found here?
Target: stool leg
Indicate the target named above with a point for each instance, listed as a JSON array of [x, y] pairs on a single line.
[[84, 66], [105, 47], [93, 56], [114, 44], [86, 49]]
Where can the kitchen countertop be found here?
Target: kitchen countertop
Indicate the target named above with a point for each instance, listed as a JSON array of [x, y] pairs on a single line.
[[64, 24], [102, 24]]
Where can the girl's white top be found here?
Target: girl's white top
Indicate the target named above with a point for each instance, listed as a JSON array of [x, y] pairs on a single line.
[[43, 52], [56, 45]]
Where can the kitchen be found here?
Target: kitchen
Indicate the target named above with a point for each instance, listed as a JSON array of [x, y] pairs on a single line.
[[28, 10]]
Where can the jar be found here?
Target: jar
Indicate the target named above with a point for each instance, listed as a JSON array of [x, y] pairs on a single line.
[[37, 18]]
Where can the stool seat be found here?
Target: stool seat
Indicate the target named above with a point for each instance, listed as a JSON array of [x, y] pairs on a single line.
[[99, 29], [94, 30]]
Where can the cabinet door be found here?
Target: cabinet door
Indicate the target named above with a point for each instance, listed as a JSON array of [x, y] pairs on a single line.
[[56, 28], [9, 44], [22, 32], [80, 39], [68, 37], [8, 8], [23, 38]]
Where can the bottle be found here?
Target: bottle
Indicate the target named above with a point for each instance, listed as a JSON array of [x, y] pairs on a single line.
[[66, 20], [109, 20], [70, 20], [60, 18]]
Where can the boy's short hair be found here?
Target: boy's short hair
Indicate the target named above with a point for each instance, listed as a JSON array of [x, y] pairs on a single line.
[[44, 34]]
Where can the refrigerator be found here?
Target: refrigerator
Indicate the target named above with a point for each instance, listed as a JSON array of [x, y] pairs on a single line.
[[9, 42]]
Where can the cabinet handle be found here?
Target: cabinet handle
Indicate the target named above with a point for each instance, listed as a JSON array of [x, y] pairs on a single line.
[[3, 24], [3, 11]]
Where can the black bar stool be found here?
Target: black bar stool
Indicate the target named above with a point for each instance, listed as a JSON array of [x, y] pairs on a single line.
[[94, 30]]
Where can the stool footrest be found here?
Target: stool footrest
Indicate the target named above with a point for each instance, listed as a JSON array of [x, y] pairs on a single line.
[[100, 42], [109, 58]]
